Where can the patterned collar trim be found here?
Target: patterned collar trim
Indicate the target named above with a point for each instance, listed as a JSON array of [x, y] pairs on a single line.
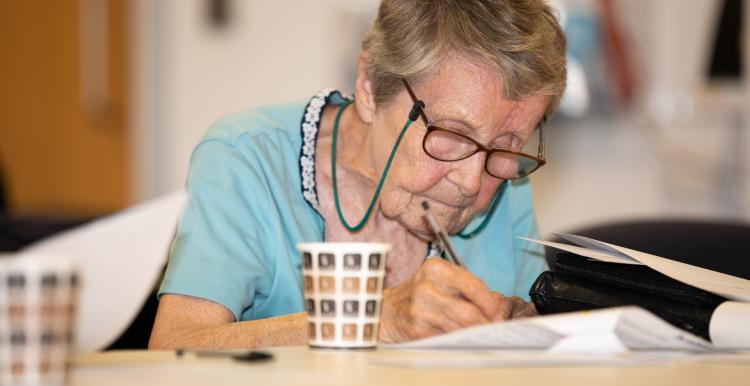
[[310, 127]]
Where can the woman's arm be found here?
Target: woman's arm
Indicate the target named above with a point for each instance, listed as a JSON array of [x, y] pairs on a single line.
[[193, 323], [422, 307]]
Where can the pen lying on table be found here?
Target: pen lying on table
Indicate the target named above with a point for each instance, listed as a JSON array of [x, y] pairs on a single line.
[[442, 235], [238, 355]]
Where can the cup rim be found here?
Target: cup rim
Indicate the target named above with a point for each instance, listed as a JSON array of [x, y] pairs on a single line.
[[342, 244]]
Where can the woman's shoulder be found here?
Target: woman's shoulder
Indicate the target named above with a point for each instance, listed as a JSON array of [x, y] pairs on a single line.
[[274, 122]]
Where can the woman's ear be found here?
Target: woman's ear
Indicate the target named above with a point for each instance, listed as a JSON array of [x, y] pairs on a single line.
[[364, 99]]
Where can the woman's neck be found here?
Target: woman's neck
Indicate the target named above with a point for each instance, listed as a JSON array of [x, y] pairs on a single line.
[[354, 145], [357, 177]]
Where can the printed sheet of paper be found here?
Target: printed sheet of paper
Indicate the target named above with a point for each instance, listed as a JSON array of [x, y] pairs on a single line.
[[491, 336], [639, 329], [610, 331]]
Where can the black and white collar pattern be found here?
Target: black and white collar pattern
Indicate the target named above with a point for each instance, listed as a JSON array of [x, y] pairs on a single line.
[[310, 127]]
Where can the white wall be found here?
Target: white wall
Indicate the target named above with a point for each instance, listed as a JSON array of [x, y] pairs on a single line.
[[187, 75]]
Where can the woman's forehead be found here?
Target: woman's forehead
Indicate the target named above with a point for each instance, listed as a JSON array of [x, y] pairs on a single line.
[[476, 100], [464, 78]]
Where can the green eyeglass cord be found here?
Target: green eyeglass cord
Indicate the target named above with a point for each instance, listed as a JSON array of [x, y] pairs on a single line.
[[363, 221]]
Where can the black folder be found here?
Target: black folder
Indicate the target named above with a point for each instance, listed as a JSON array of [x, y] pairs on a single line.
[[577, 283]]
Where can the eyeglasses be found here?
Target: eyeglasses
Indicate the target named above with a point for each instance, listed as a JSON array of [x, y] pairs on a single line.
[[447, 145]]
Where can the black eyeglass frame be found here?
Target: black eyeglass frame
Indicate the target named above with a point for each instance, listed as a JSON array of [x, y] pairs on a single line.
[[539, 159]]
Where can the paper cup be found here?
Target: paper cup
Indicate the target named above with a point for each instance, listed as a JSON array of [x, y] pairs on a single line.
[[343, 287], [37, 306]]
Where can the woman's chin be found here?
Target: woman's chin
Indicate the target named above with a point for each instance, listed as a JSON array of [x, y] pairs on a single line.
[[419, 226], [412, 217]]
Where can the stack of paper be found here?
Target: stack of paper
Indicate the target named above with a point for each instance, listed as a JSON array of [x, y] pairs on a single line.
[[611, 331], [614, 330]]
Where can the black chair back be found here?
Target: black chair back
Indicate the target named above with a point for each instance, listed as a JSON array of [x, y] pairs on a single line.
[[717, 245]]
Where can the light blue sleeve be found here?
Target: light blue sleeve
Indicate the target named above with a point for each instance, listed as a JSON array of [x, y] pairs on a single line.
[[217, 253], [530, 257]]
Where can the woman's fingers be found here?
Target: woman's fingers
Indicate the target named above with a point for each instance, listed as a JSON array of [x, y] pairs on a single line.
[[442, 297], [445, 310], [459, 281], [408, 312], [506, 305], [429, 322], [521, 309]]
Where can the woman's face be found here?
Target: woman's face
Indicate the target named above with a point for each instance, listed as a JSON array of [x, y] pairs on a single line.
[[466, 97]]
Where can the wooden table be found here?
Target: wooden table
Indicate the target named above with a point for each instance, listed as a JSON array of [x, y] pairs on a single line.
[[302, 366]]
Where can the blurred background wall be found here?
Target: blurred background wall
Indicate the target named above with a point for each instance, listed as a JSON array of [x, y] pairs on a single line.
[[103, 100], [197, 60]]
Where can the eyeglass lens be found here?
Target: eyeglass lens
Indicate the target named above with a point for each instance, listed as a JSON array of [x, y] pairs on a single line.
[[445, 145]]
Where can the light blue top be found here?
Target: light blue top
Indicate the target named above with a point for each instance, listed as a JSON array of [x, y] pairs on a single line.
[[252, 199]]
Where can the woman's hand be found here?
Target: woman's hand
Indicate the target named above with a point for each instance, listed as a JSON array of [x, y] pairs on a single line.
[[521, 309], [443, 297]]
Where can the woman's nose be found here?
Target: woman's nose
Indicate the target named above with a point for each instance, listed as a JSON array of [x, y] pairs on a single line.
[[468, 174]]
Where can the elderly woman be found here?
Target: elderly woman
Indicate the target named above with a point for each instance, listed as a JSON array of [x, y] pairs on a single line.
[[448, 93]]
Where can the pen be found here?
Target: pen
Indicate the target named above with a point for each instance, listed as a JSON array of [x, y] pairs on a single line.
[[238, 355], [441, 234]]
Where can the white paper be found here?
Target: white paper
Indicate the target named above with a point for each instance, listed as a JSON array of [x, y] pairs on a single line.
[[608, 331], [606, 343], [120, 258], [594, 245], [600, 255], [613, 331], [639, 329], [491, 336], [728, 286], [730, 326]]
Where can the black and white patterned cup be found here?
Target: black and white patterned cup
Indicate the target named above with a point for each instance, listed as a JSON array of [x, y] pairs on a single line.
[[343, 288], [37, 308]]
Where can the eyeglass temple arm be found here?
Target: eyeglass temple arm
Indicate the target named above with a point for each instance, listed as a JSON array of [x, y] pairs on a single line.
[[418, 104], [540, 151]]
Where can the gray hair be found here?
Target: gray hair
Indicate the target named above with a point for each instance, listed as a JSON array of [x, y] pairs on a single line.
[[520, 38]]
